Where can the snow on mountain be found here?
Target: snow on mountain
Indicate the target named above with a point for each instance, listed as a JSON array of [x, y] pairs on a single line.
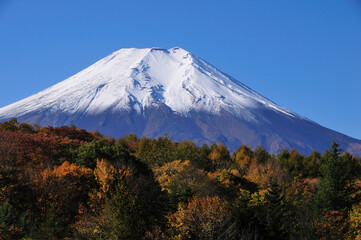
[[130, 89], [139, 78]]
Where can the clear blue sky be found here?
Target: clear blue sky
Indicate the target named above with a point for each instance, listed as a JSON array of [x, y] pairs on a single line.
[[302, 54]]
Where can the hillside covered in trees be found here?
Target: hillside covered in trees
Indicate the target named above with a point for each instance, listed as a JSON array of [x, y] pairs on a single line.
[[68, 183]]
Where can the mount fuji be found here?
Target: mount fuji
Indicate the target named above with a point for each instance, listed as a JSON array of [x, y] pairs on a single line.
[[155, 91]]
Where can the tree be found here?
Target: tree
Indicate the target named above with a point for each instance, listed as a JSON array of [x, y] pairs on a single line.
[[355, 222], [229, 183], [261, 173], [14, 125], [292, 161], [127, 204], [203, 218], [59, 192], [220, 156], [103, 148], [333, 192], [182, 180], [247, 211], [332, 225], [312, 164], [13, 225], [156, 152], [275, 211], [283, 157], [300, 214], [132, 141], [187, 150], [261, 154], [242, 157]]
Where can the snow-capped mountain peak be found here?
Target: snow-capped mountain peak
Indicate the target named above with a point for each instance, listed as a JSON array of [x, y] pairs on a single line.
[[133, 79], [153, 91]]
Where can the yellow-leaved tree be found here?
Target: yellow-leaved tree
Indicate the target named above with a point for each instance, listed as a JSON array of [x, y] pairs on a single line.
[[203, 218], [182, 180]]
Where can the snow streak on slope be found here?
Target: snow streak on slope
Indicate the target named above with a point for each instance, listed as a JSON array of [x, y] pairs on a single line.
[[134, 79]]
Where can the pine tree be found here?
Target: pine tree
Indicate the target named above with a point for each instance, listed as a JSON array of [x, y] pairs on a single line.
[[275, 211], [332, 191]]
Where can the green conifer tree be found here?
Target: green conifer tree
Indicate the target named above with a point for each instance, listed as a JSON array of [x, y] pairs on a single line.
[[332, 191], [275, 211]]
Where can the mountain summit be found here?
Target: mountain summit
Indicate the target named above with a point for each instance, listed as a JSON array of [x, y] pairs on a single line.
[[155, 91]]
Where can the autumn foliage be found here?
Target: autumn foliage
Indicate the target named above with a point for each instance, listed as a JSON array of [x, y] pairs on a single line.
[[67, 183]]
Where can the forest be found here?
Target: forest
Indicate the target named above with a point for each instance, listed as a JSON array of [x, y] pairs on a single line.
[[68, 183]]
